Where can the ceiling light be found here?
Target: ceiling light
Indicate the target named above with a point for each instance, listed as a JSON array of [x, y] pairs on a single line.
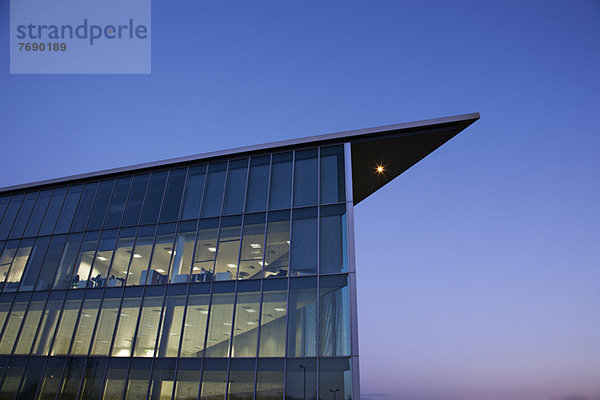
[[251, 323], [162, 271], [280, 309], [255, 245], [102, 258], [250, 310], [287, 241], [136, 255], [232, 265], [212, 249], [380, 169]]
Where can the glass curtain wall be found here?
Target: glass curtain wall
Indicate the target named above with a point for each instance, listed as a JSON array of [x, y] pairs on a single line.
[[220, 280]]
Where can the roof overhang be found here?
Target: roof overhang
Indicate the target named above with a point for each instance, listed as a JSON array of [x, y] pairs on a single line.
[[397, 147]]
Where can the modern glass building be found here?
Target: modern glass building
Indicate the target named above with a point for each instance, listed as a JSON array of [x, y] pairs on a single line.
[[223, 275]]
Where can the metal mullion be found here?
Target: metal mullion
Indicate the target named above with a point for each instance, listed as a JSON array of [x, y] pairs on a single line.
[[162, 200], [37, 330], [198, 228], [137, 324], [10, 196], [349, 201], [60, 381], [45, 361], [29, 258], [173, 251], [97, 322], [23, 323], [126, 202], [12, 305], [318, 304], [157, 225], [149, 259], [12, 261], [160, 321], [184, 316], [262, 276], [110, 199], [242, 225], [139, 219], [22, 376], [212, 283], [17, 215], [185, 181], [289, 277], [28, 218], [77, 207], [45, 212]]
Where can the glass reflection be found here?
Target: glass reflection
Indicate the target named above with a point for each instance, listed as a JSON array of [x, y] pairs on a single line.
[[280, 192], [213, 191], [83, 268], [10, 215], [221, 318], [206, 250], [106, 247], [12, 377], [31, 322], [31, 379], [91, 387], [51, 378], [241, 379], [18, 265], [49, 322], [193, 192], [335, 379], [188, 379], [273, 318], [106, 322], [173, 193], [253, 245], [139, 378], [302, 324], [84, 207], [258, 183], [161, 256], [23, 216], [228, 250], [236, 187], [35, 221], [135, 200], [278, 244], [305, 178], [214, 380], [67, 261], [301, 379], [172, 321], [141, 256], [87, 320], [128, 317], [304, 242], [245, 333], [13, 323], [53, 210], [183, 252], [154, 197], [196, 317], [117, 203], [333, 248], [34, 263], [145, 342], [334, 316], [51, 260], [122, 255], [114, 383], [269, 382], [101, 204], [66, 326], [163, 379]]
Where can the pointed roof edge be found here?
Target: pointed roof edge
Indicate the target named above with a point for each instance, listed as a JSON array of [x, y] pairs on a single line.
[[463, 120]]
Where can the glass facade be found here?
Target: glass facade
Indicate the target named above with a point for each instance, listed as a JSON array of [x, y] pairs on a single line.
[[227, 279]]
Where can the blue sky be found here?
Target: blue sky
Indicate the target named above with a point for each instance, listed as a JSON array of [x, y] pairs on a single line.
[[479, 268]]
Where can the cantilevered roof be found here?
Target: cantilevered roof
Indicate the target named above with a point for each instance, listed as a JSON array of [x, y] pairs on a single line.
[[394, 147]]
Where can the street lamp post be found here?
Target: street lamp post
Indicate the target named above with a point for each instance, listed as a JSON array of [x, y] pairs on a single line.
[[304, 368], [334, 392]]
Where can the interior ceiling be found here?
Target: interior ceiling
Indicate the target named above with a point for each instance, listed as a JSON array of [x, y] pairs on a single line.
[[396, 151]]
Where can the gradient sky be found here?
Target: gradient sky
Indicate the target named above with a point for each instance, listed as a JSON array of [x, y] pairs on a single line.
[[479, 268]]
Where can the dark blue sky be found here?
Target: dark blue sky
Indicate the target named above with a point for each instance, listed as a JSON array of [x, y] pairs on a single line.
[[479, 269]]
